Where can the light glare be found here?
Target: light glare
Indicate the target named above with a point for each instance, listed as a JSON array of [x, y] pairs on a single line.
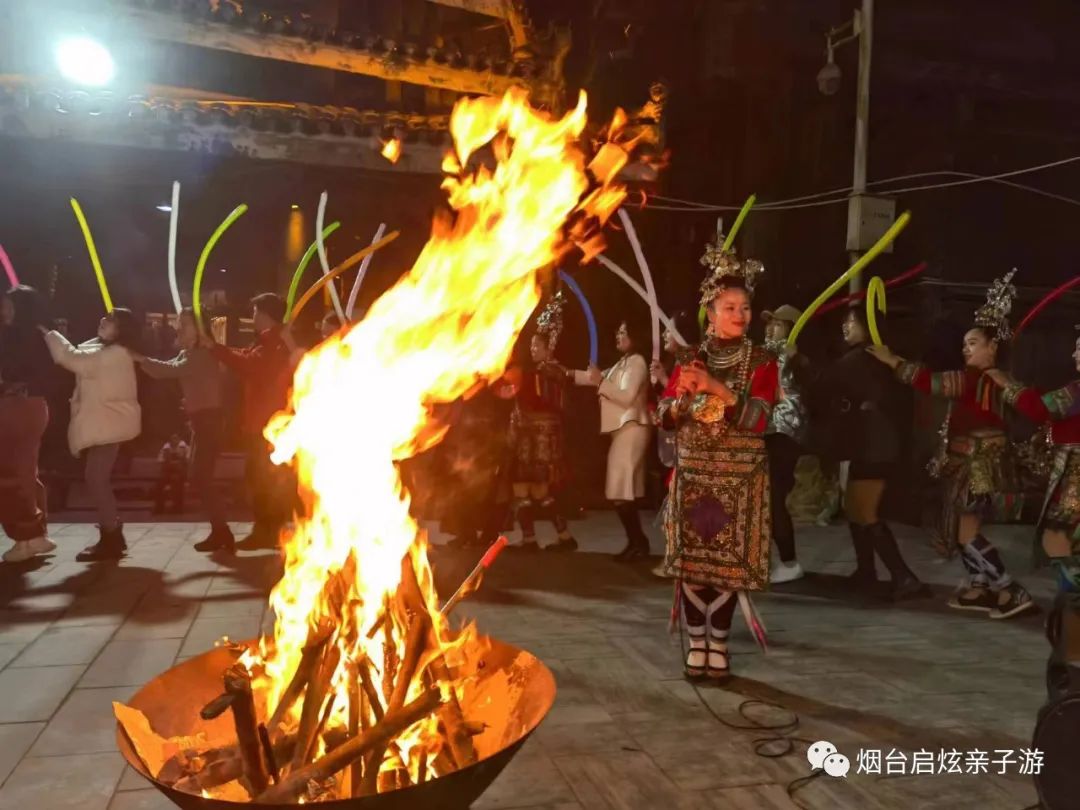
[[85, 61]]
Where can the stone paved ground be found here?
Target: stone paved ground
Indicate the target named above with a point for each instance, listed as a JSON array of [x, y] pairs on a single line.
[[626, 731]]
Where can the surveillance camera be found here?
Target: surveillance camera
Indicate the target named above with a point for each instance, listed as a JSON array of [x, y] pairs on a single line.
[[828, 79]]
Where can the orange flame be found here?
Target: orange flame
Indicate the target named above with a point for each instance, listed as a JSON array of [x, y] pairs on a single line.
[[363, 399], [392, 150]]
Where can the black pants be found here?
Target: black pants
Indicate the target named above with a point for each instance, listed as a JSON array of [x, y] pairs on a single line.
[[784, 454], [208, 428], [272, 488]]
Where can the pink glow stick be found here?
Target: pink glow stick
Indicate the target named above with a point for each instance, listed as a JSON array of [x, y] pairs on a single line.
[[8, 268]]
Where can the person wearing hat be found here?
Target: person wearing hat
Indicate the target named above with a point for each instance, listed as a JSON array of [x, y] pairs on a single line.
[[784, 439]]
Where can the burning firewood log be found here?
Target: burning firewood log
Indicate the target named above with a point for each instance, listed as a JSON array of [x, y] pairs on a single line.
[[392, 724], [238, 685]]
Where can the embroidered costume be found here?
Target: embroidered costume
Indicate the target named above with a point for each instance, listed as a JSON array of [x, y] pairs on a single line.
[[977, 467], [1061, 408], [718, 521]]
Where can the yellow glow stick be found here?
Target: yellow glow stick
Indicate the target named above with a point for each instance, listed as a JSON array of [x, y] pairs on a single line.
[[854, 270], [94, 260], [739, 221], [875, 302], [352, 261], [196, 301]]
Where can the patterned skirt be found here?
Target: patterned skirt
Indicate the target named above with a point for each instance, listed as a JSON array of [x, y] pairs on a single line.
[[979, 478], [718, 523], [538, 450], [1061, 508]]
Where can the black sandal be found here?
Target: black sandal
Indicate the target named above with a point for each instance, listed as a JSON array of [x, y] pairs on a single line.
[[696, 664]]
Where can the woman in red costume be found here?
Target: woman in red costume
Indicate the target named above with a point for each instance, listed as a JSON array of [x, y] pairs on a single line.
[[718, 521], [977, 467]]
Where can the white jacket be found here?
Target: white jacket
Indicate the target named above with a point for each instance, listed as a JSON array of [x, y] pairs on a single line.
[[624, 393], [105, 405]]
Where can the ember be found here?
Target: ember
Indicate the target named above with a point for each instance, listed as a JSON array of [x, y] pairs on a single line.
[[364, 686], [392, 150]]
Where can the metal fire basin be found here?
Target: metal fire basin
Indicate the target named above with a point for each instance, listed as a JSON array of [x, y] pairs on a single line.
[[511, 693]]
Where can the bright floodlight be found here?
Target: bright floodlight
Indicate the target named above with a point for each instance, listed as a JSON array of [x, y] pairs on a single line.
[[85, 61]]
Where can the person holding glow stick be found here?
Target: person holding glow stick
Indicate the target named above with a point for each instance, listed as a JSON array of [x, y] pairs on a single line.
[[538, 470], [623, 391], [202, 383], [718, 519], [105, 413], [861, 426], [265, 370], [24, 414], [976, 464], [1059, 520]]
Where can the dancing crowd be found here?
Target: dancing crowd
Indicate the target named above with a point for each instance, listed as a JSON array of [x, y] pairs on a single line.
[[730, 420]]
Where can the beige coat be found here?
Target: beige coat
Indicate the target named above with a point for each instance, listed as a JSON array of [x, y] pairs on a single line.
[[105, 405], [624, 393]]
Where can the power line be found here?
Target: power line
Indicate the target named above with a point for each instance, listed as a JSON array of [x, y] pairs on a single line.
[[818, 199]]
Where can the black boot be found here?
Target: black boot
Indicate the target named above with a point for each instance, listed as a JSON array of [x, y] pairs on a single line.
[[905, 585], [864, 578], [262, 537], [111, 545], [637, 542], [220, 539]]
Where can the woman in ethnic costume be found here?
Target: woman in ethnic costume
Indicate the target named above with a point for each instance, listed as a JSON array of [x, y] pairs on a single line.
[[623, 391], [1059, 521], [862, 428], [718, 520], [539, 468], [978, 470]]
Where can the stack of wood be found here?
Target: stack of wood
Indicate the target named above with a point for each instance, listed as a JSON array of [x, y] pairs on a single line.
[[279, 760]]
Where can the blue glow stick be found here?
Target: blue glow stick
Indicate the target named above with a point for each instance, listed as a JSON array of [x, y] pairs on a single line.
[[594, 343]]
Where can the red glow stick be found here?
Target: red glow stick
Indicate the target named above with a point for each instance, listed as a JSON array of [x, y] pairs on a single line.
[[473, 579], [907, 275], [6, 262], [1047, 299]]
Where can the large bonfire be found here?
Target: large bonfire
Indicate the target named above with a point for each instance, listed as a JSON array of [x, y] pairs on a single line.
[[356, 691]]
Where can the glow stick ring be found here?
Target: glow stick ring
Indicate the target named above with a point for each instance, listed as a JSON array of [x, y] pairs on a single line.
[[891, 234], [8, 268], [1047, 299], [858, 296], [875, 302], [196, 302], [94, 260], [348, 264], [590, 321], [362, 272], [633, 285], [319, 217], [174, 218], [298, 274], [730, 240], [639, 254]]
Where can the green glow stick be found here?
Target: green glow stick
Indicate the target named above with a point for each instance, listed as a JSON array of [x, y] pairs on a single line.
[[294, 285], [196, 302], [739, 221]]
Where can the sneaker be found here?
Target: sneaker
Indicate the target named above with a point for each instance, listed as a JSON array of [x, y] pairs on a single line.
[[967, 598], [569, 544], [1018, 601], [41, 545], [786, 572], [907, 588]]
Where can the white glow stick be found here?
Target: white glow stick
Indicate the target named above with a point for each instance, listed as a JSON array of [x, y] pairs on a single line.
[[174, 217], [332, 287], [362, 271], [639, 254], [632, 283]]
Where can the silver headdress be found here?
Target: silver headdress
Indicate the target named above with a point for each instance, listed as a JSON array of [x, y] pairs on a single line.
[[994, 314], [549, 323], [726, 264]]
